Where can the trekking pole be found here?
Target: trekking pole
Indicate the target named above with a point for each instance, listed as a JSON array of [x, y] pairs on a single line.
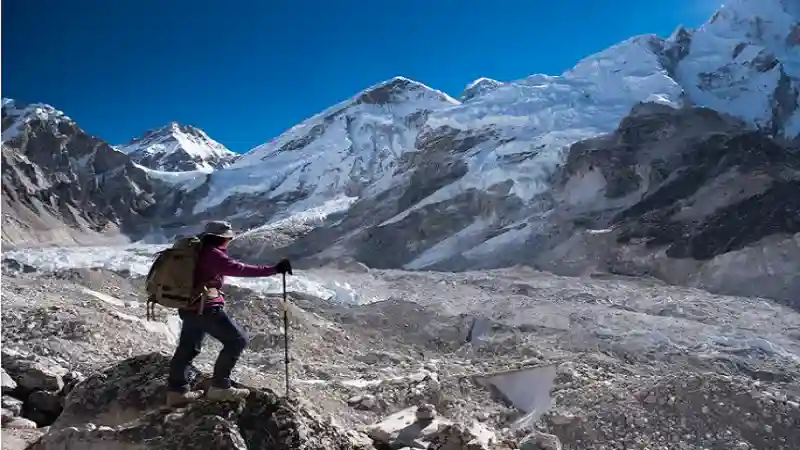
[[286, 335]]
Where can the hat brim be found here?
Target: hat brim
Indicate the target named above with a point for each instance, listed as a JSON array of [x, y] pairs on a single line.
[[228, 234]]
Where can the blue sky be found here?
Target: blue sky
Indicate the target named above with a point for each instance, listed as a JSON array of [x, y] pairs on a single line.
[[244, 71]]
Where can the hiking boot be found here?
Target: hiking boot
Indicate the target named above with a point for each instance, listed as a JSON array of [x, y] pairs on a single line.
[[232, 393], [182, 398]]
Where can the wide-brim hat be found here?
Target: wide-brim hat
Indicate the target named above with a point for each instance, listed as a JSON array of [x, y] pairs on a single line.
[[219, 228]]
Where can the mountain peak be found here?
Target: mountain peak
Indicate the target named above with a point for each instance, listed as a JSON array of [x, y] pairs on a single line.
[[761, 20], [399, 90], [41, 110], [16, 115], [175, 147], [764, 8], [479, 87], [171, 129]]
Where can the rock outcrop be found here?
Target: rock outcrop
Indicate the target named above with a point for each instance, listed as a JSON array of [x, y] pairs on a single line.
[[686, 196], [122, 407]]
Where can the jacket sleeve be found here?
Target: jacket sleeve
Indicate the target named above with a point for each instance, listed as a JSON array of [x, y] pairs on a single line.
[[224, 265]]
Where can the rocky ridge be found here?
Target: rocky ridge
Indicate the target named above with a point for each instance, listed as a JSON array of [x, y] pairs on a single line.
[[62, 185]]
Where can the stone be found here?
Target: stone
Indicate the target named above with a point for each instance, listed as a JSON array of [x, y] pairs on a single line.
[[404, 428], [426, 412], [455, 437], [355, 400], [12, 404], [70, 380], [7, 415], [33, 375], [45, 401], [379, 434], [562, 419], [20, 422], [8, 383], [367, 402], [540, 441]]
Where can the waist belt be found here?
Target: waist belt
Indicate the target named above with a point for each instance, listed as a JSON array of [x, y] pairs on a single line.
[[211, 293], [207, 294]]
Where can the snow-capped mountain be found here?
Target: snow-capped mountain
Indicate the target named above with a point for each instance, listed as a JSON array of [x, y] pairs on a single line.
[[479, 87], [62, 185], [178, 148], [403, 175], [745, 61], [16, 116], [357, 144]]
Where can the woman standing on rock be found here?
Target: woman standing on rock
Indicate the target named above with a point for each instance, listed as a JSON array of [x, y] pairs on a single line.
[[213, 265]]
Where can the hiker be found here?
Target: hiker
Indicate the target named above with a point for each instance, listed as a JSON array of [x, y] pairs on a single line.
[[213, 264]]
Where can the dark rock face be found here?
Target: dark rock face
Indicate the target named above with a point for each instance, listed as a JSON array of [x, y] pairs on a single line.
[[58, 170], [126, 402], [666, 163], [652, 134], [754, 157]]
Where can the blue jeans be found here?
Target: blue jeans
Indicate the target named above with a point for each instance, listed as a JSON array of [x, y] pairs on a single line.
[[218, 324]]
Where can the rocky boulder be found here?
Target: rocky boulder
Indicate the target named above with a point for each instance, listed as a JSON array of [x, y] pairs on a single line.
[[8, 383], [121, 406], [422, 427], [33, 389]]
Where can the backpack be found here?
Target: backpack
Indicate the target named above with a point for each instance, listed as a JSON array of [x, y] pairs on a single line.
[[170, 280]]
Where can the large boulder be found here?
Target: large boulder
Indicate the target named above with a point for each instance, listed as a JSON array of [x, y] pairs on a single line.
[[122, 407], [34, 373], [421, 427]]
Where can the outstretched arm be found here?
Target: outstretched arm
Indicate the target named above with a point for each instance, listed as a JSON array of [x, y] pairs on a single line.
[[227, 266]]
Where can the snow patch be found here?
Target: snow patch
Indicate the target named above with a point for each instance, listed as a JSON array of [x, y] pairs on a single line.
[[314, 216], [187, 181]]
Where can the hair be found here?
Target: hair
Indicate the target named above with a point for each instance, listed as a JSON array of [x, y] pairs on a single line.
[[212, 241]]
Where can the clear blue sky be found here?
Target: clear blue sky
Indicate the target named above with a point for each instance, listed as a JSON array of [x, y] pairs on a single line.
[[244, 71]]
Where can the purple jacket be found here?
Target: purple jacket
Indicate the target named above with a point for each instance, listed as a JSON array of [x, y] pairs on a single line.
[[214, 264]]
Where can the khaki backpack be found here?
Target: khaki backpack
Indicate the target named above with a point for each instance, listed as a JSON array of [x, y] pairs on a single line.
[[170, 281]]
